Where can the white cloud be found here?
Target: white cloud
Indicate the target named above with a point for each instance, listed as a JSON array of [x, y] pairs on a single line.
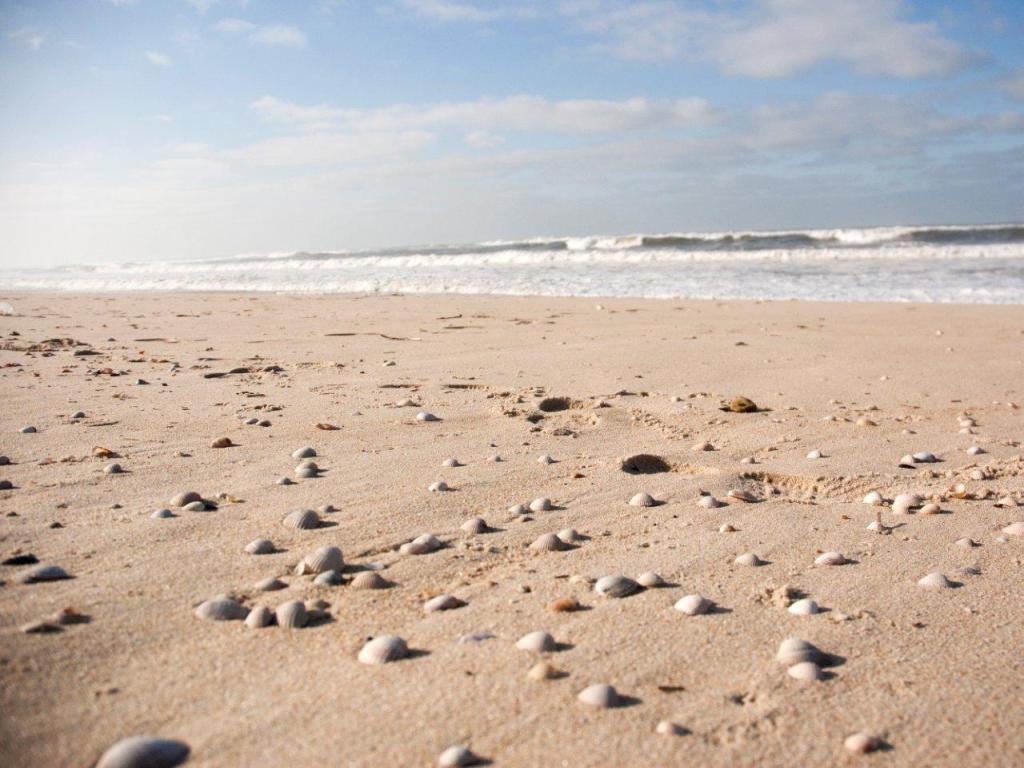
[[160, 59], [268, 34], [202, 5], [1013, 85], [443, 10], [28, 36], [332, 148], [163, 118], [233, 26], [483, 139]]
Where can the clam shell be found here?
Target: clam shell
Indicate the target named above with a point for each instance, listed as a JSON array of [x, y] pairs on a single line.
[[302, 519], [260, 547], [793, 650], [924, 457], [804, 607], [975, 450], [830, 558], [291, 614], [307, 469], [600, 695], [475, 525], [642, 500], [421, 545], [861, 744], [1014, 529], [741, 495], [369, 580], [39, 573], [905, 502], [457, 756], [383, 649], [907, 462], [805, 671], [144, 752], [270, 584], [748, 558], [548, 542], [306, 452], [324, 559], [442, 603], [541, 504], [693, 605], [650, 579], [259, 617], [934, 580], [538, 642], [221, 609], [616, 586], [328, 579], [875, 498], [183, 498]]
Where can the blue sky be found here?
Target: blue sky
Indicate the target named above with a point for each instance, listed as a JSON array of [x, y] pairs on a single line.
[[156, 129]]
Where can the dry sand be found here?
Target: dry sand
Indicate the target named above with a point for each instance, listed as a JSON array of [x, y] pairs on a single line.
[[936, 674]]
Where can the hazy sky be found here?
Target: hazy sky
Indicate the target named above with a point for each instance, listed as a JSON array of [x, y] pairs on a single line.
[[142, 129]]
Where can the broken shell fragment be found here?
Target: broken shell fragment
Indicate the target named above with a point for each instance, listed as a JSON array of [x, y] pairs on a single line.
[[421, 545], [905, 502], [741, 495], [1014, 529]]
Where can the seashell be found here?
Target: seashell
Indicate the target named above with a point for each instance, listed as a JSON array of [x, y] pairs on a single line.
[[668, 728], [967, 422], [804, 607], [650, 579], [793, 650], [616, 586], [518, 509], [538, 642], [457, 756], [291, 615], [316, 605], [565, 605], [934, 580], [542, 670], [475, 525], [864, 421], [222, 442], [383, 649], [162, 514], [40, 573], [830, 417], [861, 744], [744, 460], [741, 495], [875, 498], [905, 502], [726, 528], [815, 454], [924, 457], [707, 501], [830, 558], [426, 416], [259, 617], [975, 450], [930, 509], [307, 469], [1006, 502], [185, 497], [221, 609], [260, 547], [269, 584], [960, 491], [421, 545], [78, 415], [406, 403], [369, 580], [545, 459], [907, 462], [600, 695], [113, 469], [549, 542], [451, 463], [195, 506], [703, 446], [741, 405], [304, 453], [328, 579], [438, 487], [541, 504], [284, 481], [693, 605], [1014, 529], [442, 603], [968, 543], [569, 535], [978, 474], [642, 500], [805, 672], [324, 559], [302, 519], [28, 430], [144, 752], [748, 558]]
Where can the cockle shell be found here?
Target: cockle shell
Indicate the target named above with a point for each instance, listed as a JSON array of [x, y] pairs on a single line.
[[369, 580], [306, 452], [302, 519], [291, 615], [323, 559], [39, 573], [803, 607], [793, 650], [259, 617], [934, 580], [741, 495], [438, 487], [642, 500], [748, 558], [421, 545], [650, 579], [475, 525], [830, 558], [905, 502], [693, 605], [221, 608], [541, 504], [260, 547], [307, 469], [1014, 529], [549, 542], [874, 498], [805, 671], [616, 586], [183, 498], [538, 642], [383, 649], [600, 695], [144, 752], [457, 756], [270, 584], [442, 603]]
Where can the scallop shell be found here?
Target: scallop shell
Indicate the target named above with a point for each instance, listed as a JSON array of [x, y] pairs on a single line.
[[302, 519], [442, 603], [861, 744], [307, 469], [803, 607], [183, 498], [748, 558], [475, 525], [426, 416], [291, 614], [39, 573], [805, 672], [650, 579], [457, 756], [221, 608], [1014, 529], [541, 504], [616, 586], [328, 579], [600, 695], [741, 495], [549, 542], [369, 580], [144, 752], [269, 584], [323, 559], [693, 605], [538, 642], [306, 452], [793, 650], [934, 580], [259, 617], [707, 501], [642, 500], [874, 498], [438, 487], [383, 649], [260, 547], [905, 502], [569, 535], [830, 558]]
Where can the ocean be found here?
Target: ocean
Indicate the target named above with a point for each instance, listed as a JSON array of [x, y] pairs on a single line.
[[969, 264]]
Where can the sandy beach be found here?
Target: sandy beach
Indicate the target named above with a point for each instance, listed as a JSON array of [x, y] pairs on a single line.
[[932, 674]]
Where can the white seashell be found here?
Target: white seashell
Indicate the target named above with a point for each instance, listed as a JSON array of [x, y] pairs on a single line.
[[259, 617], [934, 580], [284, 481], [421, 545], [304, 453], [830, 558], [1006, 502], [162, 514], [569, 535], [545, 459], [144, 752], [975, 450], [451, 463], [383, 649], [875, 498], [291, 615], [518, 509], [548, 542], [968, 543], [324, 559], [748, 558], [703, 446], [930, 509], [907, 462], [905, 502], [260, 547], [616, 586], [183, 498], [978, 474], [457, 756], [741, 495], [668, 728], [307, 469], [727, 528], [541, 504], [793, 650], [38, 573], [113, 469], [328, 579], [924, 457], [406, 403], [804, 607], [475, 525], [744, 460], [221, 609], [693, 605], [642, 500], [861, 744], [195, 506], [1014, 529], [538, 642], [805, 672], [650, 579], [438, 487], [815, 454], [442, 603], [542, 670], [426, 416], [369, 580], [707, 501], [302, 519], [600, 695]]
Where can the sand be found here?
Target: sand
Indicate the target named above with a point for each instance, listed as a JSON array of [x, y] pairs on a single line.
[[935, 673]]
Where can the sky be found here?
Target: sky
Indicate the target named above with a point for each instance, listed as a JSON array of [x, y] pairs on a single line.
[[135, 130]]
